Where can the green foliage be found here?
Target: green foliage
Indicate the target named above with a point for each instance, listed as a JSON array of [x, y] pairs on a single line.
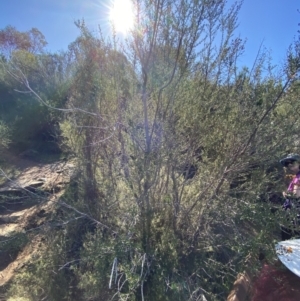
[[11, 39], [44, 276], [13, 243], [174, 239], [18, 299], [33, 124], [135, 120], [4, 135]]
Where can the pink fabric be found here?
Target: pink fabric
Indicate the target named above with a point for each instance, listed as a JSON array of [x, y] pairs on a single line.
[[295, 181]]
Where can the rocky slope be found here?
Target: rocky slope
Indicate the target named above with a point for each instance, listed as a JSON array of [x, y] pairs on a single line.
[[28, 196]]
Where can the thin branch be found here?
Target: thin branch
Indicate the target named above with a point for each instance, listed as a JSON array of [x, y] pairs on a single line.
[[68, 263], [113, 269]]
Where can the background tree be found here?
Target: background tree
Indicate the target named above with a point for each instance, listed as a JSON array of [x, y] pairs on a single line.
[[48, 75], [32, 41]]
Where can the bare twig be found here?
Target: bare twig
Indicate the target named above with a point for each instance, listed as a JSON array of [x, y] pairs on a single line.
[[113, 269]]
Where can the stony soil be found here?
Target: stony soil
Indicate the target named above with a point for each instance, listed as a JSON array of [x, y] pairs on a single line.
[[28, 194]]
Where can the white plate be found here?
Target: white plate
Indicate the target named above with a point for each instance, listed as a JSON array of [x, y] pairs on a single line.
[[288, 252]]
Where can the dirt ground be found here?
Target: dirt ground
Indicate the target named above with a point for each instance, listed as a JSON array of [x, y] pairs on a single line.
[[28, 193]]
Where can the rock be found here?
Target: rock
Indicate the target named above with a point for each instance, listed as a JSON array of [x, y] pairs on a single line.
[[8, 219], [41, 180], [32, 187], [19, 191], [11, 192]]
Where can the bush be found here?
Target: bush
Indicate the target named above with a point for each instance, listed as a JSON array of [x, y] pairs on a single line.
[[5, 134]]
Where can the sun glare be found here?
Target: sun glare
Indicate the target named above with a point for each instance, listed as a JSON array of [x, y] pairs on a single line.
[[121, 15]]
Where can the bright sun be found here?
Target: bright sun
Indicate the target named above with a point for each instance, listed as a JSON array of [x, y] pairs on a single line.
[[121, 14]]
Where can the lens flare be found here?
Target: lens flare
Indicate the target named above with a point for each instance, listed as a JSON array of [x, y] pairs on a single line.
[[121, 14]]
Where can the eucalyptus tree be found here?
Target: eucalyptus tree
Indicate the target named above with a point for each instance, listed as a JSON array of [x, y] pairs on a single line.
[[11, 40], [28, 71]]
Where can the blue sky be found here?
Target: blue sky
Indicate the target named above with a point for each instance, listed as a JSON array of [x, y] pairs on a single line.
[[271, 22]]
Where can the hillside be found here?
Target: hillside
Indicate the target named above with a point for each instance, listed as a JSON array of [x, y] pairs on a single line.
[[170, 186], [27, 202]]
